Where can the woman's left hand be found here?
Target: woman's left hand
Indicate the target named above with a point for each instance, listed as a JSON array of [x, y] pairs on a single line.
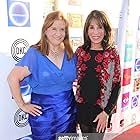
[[102, 120]]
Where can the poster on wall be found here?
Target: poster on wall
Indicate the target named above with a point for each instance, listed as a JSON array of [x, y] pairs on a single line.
[[136, 84], [76, 42], [49, 6], [75, 20]]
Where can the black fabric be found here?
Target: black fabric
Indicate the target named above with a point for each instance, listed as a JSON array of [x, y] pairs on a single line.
[[89, 90], [112, 99], [87, 113], [90, 85]]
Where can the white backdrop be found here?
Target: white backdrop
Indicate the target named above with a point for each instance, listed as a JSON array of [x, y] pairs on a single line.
[[20, 27]]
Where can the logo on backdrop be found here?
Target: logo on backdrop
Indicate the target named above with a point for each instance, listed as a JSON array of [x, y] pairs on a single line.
[[128, 52], [135, 101], [18, 13], [126, 76], [137, 64], [125, 101], [19, 48], [20, 118], [136, 84]]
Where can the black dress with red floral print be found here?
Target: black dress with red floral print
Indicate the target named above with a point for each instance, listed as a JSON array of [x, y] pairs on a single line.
[[98, 75]]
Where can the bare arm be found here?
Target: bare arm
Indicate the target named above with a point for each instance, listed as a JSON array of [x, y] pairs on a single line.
[[16, 75], [14, 78]]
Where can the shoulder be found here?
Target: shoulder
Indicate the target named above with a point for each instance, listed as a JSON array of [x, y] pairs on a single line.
[[79, 50], [33, 51], [113, 50], [31, 54]]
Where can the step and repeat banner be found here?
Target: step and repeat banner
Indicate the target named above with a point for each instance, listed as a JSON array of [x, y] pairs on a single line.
[[20, 27], [128, 43]]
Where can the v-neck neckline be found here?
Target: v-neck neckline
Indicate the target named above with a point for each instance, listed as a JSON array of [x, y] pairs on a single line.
[[60, 69]]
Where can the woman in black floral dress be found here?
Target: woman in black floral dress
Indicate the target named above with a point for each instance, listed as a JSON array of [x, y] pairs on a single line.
[[99, 75]]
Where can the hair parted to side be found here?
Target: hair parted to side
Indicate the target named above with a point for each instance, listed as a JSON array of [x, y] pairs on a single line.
[[42, 45], [102, 20]]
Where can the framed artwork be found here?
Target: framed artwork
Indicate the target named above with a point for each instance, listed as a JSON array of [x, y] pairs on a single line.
[[75, 20]]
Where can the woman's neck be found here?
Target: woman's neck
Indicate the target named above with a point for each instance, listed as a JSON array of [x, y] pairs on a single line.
[[96, 47]]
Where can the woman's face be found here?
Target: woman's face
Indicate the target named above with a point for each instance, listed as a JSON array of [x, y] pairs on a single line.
[[96, 33], [56, 33]]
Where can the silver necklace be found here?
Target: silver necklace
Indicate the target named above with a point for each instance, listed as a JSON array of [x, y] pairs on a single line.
[[55, 54]]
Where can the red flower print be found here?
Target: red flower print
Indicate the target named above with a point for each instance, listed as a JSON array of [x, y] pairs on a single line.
[[83, 67], [87, 57], [105, 65], [82, 54], [98, 101], [99, 57], [98, 68], [78, 51], [106, 76], [106, 54], [80, 99]]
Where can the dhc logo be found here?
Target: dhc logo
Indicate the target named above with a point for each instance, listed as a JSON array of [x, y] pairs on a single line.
[[19, 48], [21, 118], [137, 64]]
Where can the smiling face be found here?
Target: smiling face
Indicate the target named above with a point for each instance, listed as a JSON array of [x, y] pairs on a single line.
[[56, 33], [96, 33]]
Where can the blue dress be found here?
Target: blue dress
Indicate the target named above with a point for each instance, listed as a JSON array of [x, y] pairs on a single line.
[[52, 90]]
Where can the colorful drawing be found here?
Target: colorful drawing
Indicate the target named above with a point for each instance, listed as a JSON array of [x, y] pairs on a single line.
[[136, 84], [128, 52], [76, 42], [125, 101], [75, 20], [126, 76]]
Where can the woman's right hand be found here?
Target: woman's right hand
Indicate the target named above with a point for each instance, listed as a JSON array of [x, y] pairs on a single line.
[[32, 109]]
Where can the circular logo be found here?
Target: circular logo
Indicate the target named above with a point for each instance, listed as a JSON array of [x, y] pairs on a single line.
[[137, 65], [19, 48], [18, 13], [134, 101], [126, 100], [21, 118]]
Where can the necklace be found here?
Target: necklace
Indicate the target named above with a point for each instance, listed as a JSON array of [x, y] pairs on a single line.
[[55, 54]]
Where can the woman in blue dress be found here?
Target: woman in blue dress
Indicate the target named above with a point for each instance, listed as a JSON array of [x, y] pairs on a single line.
[[49, 67]]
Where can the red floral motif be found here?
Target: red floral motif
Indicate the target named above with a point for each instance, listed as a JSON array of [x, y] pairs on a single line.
[[102, 69], [87, 57], [106, 76], [105, 65], [99, 57], [106, 54], [83, 67], [82, 53], [98, 101], [98, 68], [80, 99]]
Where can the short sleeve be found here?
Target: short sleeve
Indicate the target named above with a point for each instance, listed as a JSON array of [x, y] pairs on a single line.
[[29, 60]]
